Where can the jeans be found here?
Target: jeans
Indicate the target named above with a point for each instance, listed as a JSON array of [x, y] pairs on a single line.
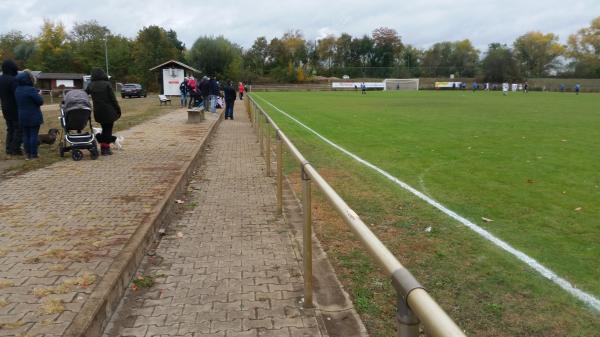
[[213, 103], [14, 137], [241, 95], [183, 99], [206, 103], [30, 140], [229, 109]]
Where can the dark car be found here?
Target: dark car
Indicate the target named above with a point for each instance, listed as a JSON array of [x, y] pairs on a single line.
[[133, 90]]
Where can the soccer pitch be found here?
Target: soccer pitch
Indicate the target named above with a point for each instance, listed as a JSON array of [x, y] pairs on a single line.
[[525, 167]]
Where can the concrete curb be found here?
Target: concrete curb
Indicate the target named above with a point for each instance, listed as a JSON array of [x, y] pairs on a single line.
[[339, 318], [91, 320]]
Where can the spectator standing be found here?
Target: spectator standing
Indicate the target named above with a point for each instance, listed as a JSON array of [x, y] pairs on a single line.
[[191, 84], [525, 87], [204, 91], [8, 85], [106, 108], [213, 92], [229, 92], [29, 102], [183, 90], [577, 88], [241, 90]]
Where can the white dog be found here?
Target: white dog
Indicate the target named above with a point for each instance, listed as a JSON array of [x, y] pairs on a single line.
[[118, 141]]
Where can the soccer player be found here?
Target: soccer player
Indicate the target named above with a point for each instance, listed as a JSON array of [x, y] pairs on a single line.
[[525, 87], [505, 89], [577, 88], [363, 88]]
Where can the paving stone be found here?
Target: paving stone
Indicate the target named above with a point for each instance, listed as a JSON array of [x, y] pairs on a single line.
[[235, 256]]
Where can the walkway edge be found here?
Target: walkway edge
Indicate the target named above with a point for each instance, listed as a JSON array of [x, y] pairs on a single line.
[[338, 315], [91, 320]]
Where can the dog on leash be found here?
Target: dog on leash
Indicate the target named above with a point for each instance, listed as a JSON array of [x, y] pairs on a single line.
[[118, 139], [49, 138]]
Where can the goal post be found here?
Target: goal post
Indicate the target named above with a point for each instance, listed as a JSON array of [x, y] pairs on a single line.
[[390, 84]]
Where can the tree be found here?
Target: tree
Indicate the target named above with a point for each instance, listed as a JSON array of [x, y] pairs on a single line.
[[388, 47], [362, 54], [584, 48], [537, 53], [326, 51], [152, 47], [499, 64], [464, 59], [343, 51], [411, 59], [436, 60], [8, 43], [216, 56], [53, 53], [256, 57], [87, 42]]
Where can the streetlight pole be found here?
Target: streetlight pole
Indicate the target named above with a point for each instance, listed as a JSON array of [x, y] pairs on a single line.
[[106, 54]]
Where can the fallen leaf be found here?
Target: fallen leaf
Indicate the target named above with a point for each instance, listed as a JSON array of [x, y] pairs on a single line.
[[486, 219], [578, 209], [179, 201], [180, 235], [428, 229]]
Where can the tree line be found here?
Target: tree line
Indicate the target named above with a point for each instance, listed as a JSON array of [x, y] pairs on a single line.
[[291, 57]]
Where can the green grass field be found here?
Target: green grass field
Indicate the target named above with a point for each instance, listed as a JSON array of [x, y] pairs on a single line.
[[528, 162]]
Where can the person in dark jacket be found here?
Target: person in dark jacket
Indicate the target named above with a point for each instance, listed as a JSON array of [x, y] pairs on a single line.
[[213, 92], [106, 108], [183, 91], [204, 92], [229, 92], [8, 85], [29, 102]]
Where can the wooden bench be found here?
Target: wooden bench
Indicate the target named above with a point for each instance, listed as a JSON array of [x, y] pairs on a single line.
[[164, 99], [195, 115]]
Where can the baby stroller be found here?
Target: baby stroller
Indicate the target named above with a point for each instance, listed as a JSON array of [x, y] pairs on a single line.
[[75, 116]]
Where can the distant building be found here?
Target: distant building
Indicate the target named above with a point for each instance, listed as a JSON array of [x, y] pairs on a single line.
[[49, 81], [171, 74]]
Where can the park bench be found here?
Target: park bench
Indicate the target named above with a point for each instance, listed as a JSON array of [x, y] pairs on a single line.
[[195, 115], [164, 99]]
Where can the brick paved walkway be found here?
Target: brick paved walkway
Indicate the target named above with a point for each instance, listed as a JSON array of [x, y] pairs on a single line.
[[227, 266], [62, 227]]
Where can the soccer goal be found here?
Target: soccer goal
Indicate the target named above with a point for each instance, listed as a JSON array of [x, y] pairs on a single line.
[[400, 84]]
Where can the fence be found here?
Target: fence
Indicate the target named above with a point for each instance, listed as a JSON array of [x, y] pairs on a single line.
[[414, 305]]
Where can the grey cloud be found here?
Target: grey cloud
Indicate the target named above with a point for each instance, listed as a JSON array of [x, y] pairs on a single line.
[[420, 23]]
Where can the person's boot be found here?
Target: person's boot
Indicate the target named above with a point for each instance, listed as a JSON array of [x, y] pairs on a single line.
[[105, 149]]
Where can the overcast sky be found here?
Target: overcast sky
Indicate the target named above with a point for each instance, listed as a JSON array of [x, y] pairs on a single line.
[[420, 23]]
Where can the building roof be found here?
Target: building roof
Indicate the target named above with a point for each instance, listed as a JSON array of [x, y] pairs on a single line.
[[177, 63], [59, 76]]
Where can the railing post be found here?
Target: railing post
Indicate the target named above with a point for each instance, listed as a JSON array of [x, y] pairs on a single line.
[[408, 323], [260, 134], [307, 240], [268, 146], [279, 173]]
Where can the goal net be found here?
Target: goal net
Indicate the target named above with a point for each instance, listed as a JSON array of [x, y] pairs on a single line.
[[400, 84]]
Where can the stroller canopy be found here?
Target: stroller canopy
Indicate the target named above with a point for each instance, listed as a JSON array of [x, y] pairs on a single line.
[[76, 99]]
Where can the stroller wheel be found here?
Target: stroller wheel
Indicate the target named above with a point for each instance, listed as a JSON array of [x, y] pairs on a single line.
[[77, 155], [94, 153]]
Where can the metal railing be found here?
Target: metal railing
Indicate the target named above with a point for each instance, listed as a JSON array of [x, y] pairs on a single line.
[[415, 306]]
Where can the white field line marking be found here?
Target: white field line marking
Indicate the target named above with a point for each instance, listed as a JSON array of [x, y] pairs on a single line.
[[547, 273]]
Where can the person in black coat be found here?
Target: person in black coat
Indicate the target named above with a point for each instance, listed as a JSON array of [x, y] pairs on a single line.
[[204, 91], [29, 102], [213, 92], [106, 108], [229, 92], [8, 85]]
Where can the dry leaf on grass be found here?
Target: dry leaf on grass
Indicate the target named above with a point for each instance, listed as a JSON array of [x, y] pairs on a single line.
[[486, 219]]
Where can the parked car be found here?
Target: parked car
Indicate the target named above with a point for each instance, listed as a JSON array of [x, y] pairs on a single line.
[[133, 90]]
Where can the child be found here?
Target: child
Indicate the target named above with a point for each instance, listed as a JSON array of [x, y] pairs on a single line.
[[30, 115]]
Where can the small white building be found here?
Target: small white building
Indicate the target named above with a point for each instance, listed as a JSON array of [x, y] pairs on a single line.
[[171, 74]]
